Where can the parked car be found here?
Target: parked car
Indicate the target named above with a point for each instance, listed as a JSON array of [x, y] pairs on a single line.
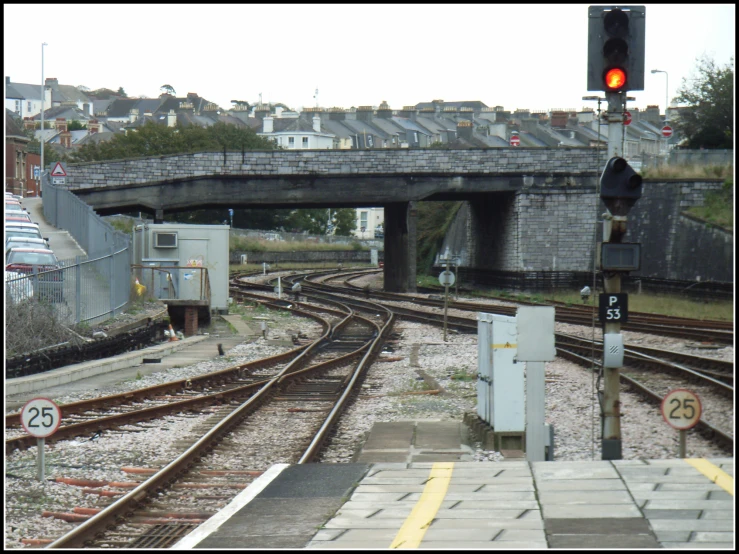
[[18, 287], [23, 226], [11, 196], [17, 217], [50, 275], [20, 232], [23, 242], [13, 206]]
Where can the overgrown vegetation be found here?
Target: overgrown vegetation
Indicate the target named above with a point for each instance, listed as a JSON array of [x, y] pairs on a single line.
[[691, 171], [434, 219], [249, 244], [718, 207], [33, 324]]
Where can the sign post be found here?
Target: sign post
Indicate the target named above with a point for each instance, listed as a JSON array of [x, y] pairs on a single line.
[[446, 278], [40, 418], [681, 409]]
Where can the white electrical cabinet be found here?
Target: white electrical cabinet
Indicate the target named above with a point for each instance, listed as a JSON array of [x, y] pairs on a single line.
[[187, 250], [500, 384]]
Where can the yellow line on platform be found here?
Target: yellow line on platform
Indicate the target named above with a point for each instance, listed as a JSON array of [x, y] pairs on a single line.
[[503, 345], [714, 473], [423, 513]]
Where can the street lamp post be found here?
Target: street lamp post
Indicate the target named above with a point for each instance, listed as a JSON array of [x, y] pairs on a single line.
[[667, 77], [666, 100], [43, 96]]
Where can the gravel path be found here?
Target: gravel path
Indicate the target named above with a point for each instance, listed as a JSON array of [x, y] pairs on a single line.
[[570, 408]]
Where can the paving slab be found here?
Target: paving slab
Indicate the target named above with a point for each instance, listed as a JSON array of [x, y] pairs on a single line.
[[584, 497], [451, 546], [590, 511], [671, 514], [582, 485], [689, 504], [602, 541], [714, 525], [703, 536]]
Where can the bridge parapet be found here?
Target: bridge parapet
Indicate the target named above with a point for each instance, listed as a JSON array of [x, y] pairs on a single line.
[[395, 162]]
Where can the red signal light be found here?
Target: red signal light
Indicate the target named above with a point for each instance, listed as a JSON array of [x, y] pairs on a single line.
[[615, 78]]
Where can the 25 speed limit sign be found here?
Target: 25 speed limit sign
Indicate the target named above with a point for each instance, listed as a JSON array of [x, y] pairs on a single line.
[[681, 409], [41, 417]]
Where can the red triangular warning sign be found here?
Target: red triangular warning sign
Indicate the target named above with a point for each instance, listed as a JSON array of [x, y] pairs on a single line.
[[58, 170]]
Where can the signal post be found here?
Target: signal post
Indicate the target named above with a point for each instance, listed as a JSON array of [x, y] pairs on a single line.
[[616, 39]]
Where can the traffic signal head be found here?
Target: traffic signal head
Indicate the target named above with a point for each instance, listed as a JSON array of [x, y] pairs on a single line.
[[616, 48], [620, 186]]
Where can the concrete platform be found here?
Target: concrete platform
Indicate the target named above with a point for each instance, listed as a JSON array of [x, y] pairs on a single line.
[[455, 505], [95, 374]]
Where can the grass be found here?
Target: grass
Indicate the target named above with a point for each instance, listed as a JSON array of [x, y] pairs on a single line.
[[718, 207], [689, 172], [248, 244], [663, 304]]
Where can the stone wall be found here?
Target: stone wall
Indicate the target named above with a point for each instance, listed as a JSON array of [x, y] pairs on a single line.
[[551, 229], [555, 161]]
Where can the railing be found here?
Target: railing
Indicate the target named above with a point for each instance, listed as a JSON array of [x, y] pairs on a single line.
[[81, 290]]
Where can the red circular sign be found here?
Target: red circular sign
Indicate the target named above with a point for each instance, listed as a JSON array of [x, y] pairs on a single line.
[[667, 131], [40, 417], [515, 141], [627, 118]]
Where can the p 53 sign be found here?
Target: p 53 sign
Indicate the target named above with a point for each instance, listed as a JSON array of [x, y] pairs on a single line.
[[613, 307], [681, 409], [41, 417]]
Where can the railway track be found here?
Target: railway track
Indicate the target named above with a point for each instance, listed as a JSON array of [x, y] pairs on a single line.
[[155, 514]]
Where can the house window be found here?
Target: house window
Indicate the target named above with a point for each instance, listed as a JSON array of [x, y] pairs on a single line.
[[291, 142], [363, 220], [17, 106], [305, 142], [370, 142], [29, 107], [415, 137]]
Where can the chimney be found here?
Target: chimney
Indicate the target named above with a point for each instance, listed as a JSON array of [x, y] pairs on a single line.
[[66, 139], [133, 115], [171, 118], [438, 105], [61, 124], [278, 111], [52, 82], [337, 114], [384, 110], [409, 112], [261, 111], [93, 126], [317, 123], [86, 109], [268, 125], [364, 113], [464, 129], [7, 80]]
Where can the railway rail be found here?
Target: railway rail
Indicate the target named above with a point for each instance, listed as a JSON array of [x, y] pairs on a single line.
[[326, 386]]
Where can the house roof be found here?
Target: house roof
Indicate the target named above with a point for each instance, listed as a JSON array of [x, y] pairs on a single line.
[[45, 134], [336, 128], [23, 90], [364, 127], [12, 127], [527, 139], [67, 112], [120, 107], [96, 138], [475, 104], [73, 94], [390, 127], [409, 125]]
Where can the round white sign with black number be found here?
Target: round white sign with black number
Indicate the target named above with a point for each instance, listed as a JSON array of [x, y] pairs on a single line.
[[681, 409], [41, 417], [446, 278]]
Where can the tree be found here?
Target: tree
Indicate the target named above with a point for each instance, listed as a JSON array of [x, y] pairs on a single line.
[[122, 92], [346, 221], [75, 125], [168, 89], [708, 120]]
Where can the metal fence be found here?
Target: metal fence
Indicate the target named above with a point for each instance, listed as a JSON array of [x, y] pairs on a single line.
[[89, 288]]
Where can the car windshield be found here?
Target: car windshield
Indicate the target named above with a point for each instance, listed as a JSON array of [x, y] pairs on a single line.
[[29, 233], [31, 258], [13, 207]]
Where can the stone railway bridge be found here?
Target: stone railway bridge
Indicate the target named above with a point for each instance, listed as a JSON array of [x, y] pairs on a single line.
[[501, 186]]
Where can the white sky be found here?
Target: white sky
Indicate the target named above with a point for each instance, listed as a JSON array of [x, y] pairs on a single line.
[[515, 56]]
